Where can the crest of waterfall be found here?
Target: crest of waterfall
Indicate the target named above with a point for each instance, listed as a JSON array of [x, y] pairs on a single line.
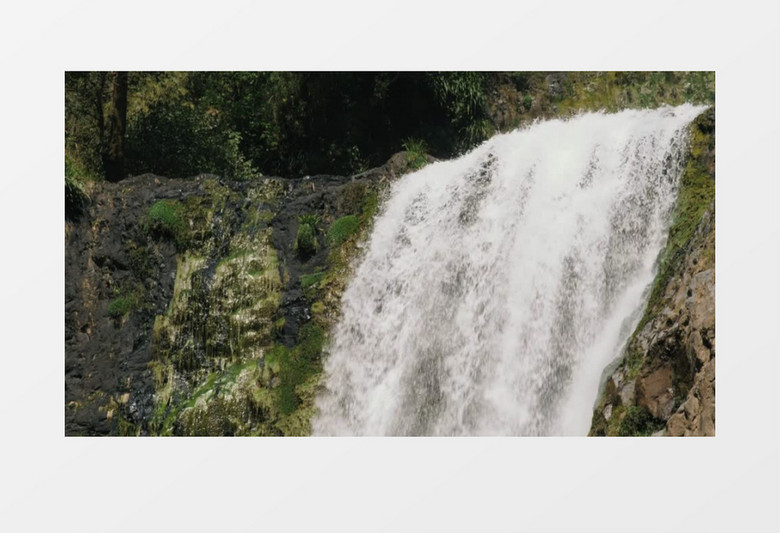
[[496, 287]]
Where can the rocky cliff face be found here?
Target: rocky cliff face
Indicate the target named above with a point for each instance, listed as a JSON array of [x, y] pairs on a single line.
[[200, 306], [665, 384]]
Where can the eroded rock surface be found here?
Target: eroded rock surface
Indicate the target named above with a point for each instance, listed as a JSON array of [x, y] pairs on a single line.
[[189, 309], [665, 385]]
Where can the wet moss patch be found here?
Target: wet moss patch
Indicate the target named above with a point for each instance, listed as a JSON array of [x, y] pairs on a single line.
[[166, 218], [342, 229]]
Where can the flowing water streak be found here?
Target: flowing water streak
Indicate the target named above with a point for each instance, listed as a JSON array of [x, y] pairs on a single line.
[[496, 287]]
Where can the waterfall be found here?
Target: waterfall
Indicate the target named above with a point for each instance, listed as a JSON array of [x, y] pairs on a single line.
[[496, 287]]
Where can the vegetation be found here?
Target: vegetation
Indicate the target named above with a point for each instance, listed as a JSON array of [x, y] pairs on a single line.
[[219, 344], [342, 228], [417, 153], [639, 422], [167, 218], [76, 195], [697, 190], [121, 306], [295, 365], [612, 91], [696, 195], [243, 124], [239, 124], [306, 240]]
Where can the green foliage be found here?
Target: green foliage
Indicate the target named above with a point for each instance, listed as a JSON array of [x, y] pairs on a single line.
[[309, 280], [697, 190], [241, 124], [237, 165], [369, 206], [76, 195], [310, 341], [639, 422], [306, 241], [612, 91], [237, 124], [312, 219], [463, 96], [177, 140], [85, 96], [342, 229], [121, 306], [167, 218], [417, 152], [295, 365]]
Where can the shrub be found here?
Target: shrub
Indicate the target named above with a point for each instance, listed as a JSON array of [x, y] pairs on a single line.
[[416, 155], [119, 307], [166, 218], [639, 421], [311, 219], [527, 101], [306, 241], [342, 229]]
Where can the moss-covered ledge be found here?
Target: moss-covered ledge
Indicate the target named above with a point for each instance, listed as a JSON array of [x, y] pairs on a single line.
[[664, 383]]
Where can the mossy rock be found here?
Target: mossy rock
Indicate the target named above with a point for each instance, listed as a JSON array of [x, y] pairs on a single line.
[[342, 229]]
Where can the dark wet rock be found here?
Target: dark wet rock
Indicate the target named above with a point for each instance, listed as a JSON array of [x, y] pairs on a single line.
[[153, 322]]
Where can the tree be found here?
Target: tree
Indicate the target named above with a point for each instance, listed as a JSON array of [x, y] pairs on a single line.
[[114, 146]]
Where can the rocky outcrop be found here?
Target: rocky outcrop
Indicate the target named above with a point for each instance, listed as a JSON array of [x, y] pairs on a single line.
[[665, 384], [190, 310]]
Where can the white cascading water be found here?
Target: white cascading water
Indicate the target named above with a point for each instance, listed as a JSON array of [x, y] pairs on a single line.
[[496, 287]]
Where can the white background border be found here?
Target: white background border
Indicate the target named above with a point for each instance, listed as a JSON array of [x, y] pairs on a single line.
[[727, 483]]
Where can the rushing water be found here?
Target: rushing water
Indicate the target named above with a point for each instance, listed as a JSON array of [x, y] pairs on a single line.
[[496, 287]]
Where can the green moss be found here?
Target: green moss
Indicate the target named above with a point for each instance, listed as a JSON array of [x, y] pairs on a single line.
[[309, 281], [310, 341], [236, 253], [294, 367], [291, 372], [275, 357], [342, 229], [121, 306], [214, 407], [167, 218], [369, 207], [697, 190]]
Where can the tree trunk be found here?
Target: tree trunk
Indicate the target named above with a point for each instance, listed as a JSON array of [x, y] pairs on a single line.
[[114, 148]]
